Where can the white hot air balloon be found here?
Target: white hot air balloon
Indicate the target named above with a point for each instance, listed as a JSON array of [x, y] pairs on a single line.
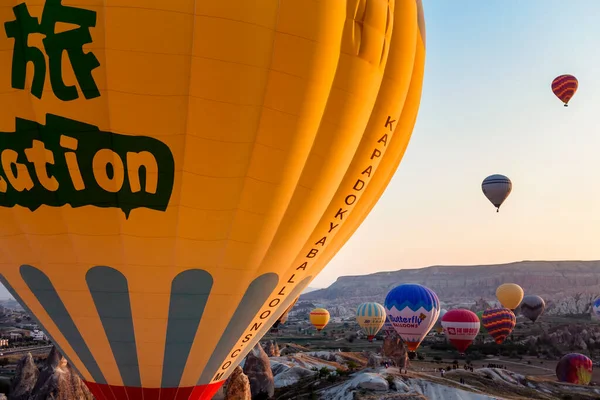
[[496, 188]]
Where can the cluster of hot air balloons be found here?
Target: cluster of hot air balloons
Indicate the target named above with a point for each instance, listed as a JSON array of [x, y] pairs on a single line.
[[498, 187], [413, 310]]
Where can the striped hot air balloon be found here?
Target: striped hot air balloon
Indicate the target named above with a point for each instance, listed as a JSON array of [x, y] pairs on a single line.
[[532, 307], [574, 368], [370, 317], [496, 188], [319, 317], [499, 322], [564, 87]]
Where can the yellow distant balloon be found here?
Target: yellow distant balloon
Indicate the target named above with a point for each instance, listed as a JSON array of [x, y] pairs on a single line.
[[174, 173], [319, 317], [509, 295]]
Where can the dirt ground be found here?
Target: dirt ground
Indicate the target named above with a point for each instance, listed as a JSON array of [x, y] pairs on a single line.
[[536, 368]]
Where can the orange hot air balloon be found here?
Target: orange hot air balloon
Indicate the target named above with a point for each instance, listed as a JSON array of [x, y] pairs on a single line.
[[564, 87], [173, 176]]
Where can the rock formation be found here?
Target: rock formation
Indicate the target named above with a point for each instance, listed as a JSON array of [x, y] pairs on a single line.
[[238, 386], [374, 361], [26, 376], [272, 349], [394, 348], [55, 379], [292, 348], [567, 286], [480, 305], [258, 369]]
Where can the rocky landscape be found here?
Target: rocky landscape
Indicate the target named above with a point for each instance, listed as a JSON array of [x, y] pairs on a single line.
[[567, 286], [332, 365], [291, 372], [52, 379]]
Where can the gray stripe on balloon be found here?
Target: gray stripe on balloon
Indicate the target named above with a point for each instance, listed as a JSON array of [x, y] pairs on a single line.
[[263, 330], [110, 293], [255, 297], [189, 294], [16, 296], [46, 294]]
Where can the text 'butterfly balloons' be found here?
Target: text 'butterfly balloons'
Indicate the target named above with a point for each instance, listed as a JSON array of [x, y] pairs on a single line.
[[412, 309]]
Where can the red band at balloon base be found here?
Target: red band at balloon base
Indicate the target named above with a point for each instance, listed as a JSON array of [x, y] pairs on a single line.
[[108, 392]]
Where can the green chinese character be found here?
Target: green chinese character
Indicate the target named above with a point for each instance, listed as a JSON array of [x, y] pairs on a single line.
[[19, 30], [55, 44]]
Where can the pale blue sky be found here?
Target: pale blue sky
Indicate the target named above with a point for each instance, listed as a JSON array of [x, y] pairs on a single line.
[[487, 108]]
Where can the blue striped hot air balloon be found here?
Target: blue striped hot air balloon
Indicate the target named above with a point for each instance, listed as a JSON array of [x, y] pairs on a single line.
[[413, 309], [370, 317]]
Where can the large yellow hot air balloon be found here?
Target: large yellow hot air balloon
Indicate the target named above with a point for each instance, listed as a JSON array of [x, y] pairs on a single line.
[[173, 174], [319, 317], [509, 295]]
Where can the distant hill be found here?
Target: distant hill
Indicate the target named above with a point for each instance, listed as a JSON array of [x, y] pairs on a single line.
[[310, 289], [556, 281]]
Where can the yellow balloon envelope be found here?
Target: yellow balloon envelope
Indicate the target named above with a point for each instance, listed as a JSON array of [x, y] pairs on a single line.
[[174, 173], [319, 317], [509, 295], [370, 317]]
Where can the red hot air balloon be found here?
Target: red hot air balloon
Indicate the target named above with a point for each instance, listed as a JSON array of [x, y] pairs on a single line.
[[564, 87], [499, 323], [461, 328]]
